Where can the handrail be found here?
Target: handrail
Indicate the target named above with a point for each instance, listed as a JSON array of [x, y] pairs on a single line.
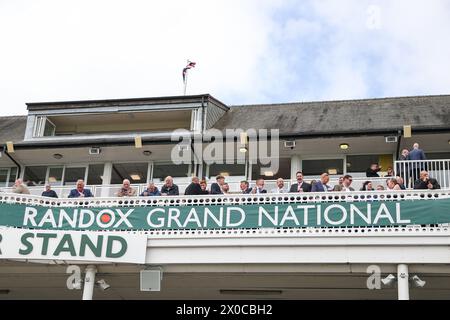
[[236, 199], [409, 170]]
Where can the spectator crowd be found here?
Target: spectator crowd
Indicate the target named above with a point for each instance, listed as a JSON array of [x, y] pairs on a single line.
[[199, 187]]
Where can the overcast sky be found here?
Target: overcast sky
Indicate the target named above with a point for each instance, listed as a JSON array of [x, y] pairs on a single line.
[[247, 51]]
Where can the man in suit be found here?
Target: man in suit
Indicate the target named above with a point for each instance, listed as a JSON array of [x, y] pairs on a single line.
[[194, 188], [80, 191], [244, 186], [416, 153], [216, 187], [259, 187], [300, 186], [415, 168], [346, 182], [321, 185]]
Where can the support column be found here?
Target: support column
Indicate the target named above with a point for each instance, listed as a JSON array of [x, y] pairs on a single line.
[[403, 282], [107, 172], [89, 282]]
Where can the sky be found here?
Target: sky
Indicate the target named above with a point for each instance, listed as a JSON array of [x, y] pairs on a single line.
[[247, 51]]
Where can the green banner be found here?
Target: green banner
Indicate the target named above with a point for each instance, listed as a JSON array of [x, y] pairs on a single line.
[[292, 215]]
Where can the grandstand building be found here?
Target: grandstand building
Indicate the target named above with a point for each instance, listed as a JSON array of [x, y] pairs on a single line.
[[333, 245]]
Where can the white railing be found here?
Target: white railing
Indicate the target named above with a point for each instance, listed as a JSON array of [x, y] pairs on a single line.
[[236, 199], [439, 169], [410, 171], [112, 189]]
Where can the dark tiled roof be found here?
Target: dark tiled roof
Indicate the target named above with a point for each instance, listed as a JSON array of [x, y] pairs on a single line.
[[12, 128], [371, 115]]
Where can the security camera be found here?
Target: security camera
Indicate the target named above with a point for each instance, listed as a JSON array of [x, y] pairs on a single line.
[[389, 280], [419, 283], [102, 285]]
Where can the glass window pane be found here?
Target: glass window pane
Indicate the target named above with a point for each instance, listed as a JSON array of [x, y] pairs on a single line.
[[95, 174], [49, 129], [12, 176], [317, 167], [3, 177], [55, 176], [135, 172], [34, 176], [226, 170], [438, 155], [160, 171], [71, 175], [284, 170], [361, 163]]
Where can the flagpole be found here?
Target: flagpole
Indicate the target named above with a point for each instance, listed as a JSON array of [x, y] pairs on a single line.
[[185, 82]]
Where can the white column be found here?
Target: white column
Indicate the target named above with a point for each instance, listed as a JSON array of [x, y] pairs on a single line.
[[107, 171], [403, 282], [295, 166], [89, 282]]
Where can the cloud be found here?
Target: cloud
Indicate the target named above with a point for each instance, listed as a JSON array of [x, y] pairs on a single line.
[[246, 51]]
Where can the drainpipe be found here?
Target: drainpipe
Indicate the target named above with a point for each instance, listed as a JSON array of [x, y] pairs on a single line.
[[399, 140], [89, 282], [403, 282], [5, 151]]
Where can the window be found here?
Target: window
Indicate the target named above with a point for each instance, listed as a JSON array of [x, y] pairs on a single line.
[[95, 174], [35, 175], [135, 172], [71, 175], [4, 177], [55, 175], [226, 170], [161, 171], [319, 166], [43, 127], [284, 170], [438, 155], [362, 162], [12, 176]]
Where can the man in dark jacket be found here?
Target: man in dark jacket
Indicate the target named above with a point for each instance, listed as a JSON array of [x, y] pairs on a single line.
[[80, 191], [415, 168], [194, 188], [372, 172], [425, 182], [216, 187], [169, 188], [322, 185], [300, 186], [244, 186], [49, 192]]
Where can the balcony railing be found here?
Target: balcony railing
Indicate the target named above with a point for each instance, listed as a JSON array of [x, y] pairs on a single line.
[[437, 169], [112, 189]]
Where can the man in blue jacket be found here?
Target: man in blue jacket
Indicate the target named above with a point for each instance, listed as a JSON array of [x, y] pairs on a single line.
[[80, 191], [415, 168], [151, 191], [321, 185]]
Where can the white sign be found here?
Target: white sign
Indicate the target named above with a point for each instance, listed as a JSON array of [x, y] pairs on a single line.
[[92, 246]]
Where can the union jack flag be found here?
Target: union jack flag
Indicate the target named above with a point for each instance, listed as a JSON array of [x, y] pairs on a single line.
[[189, 66]]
